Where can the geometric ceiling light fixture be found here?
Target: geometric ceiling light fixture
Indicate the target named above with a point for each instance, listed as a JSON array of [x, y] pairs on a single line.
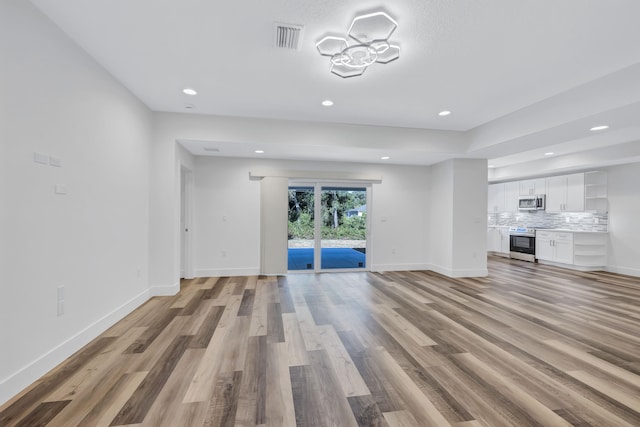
[[367, 43]]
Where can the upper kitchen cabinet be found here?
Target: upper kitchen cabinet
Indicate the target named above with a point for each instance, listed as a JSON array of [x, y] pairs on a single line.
[[566, 193], [531, 187], [511, 194], [496, 198], [503, 197]]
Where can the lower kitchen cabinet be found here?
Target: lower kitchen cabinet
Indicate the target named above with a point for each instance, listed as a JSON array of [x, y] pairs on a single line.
[[498, 240], [556, 246], [577, 249]]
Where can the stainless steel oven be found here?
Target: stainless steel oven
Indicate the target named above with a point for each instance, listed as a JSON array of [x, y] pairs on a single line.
[[522, 243]]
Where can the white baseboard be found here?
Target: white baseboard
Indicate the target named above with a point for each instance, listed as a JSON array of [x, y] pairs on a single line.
[[164, 291], [399, 267], [18, 381], [460, 273], [220, 272], [623, 270]]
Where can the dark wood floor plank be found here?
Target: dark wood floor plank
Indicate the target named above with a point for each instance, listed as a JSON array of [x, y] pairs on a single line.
[[334, 407], [305, 397], [217, 288], [138, 405], [246, 306], [223, 405], [275, 328], [202, 338], [43, 414], [261, 379], [159, 324], [286, 302], [366, 411]]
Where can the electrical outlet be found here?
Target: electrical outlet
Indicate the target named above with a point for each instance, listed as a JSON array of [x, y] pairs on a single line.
[[60, 189]]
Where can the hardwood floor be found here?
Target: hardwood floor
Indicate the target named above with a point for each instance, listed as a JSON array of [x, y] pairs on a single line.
[[528, 345]]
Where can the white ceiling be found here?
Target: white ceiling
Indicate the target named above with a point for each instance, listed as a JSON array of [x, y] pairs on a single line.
[[521, 77]]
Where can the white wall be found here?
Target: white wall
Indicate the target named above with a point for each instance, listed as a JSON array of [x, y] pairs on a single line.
[[93, 240], [441, 218], [399, 212], [274, 206], [469, 217], [624, 213], [458, 226]]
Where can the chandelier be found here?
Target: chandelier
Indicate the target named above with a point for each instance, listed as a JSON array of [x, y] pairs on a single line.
[[366, 43]]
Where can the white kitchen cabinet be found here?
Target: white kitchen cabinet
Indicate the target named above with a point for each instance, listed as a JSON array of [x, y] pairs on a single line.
[[565, 193], [495, 201], [498, 240], [511, 194], [563, 246], [544, 249], [493, 239], [531, 187], [504, 240], [556, 246]]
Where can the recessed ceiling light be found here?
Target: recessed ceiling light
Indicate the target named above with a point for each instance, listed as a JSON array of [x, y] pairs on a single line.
[[385, 158], [550, 153], [596, 128], [189, 91], [444, 113], [492, 166], [327, 103], [259, 151]]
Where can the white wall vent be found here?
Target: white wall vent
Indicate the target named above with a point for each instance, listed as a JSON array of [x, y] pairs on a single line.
[[287, 36]]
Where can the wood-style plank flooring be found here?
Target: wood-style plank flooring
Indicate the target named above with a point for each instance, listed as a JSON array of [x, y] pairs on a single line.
[[528, 345]]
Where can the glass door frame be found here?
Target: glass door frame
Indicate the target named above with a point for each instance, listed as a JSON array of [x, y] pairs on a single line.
[[317, 223]]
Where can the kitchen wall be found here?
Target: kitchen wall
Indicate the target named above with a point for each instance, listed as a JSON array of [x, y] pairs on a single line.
[[93, 240], [577, 221]]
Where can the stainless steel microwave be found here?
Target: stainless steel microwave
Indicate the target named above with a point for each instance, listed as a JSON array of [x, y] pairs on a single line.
[[531, 203]]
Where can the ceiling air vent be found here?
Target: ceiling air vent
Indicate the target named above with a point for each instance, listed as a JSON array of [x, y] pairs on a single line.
[[287, 36]]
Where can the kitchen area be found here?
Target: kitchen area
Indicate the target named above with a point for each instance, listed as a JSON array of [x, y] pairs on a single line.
[[559, 220]]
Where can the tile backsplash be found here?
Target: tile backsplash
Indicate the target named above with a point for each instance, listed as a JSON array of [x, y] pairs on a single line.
[[577, 221]]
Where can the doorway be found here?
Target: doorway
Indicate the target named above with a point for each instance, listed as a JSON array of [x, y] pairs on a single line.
[[186, 192], [328, 227]]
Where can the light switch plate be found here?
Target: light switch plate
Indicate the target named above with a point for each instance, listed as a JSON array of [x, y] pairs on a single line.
[[55, 161], [41, 158]]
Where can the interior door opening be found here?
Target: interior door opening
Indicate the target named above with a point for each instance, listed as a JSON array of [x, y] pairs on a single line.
[[327, 228]]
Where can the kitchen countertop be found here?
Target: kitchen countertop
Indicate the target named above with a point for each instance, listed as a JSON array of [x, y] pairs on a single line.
[[566, 230]]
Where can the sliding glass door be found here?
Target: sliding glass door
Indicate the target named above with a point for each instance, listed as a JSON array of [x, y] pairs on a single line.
[[344, 227], [327, 227], [301, 228]]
